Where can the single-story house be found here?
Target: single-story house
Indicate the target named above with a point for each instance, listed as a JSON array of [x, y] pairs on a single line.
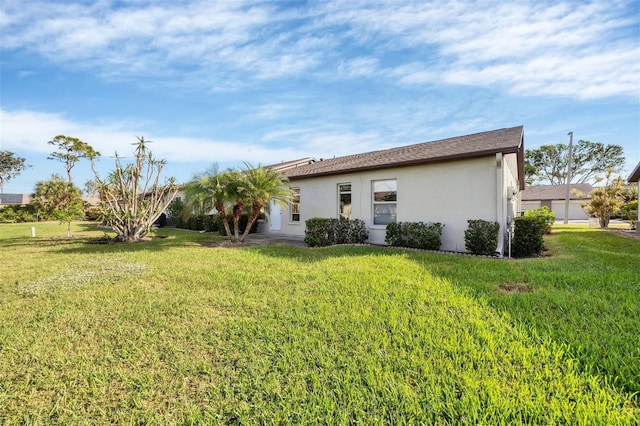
[[14, 199], [25, 199], [450, 181], [635, 177], [554, 196]]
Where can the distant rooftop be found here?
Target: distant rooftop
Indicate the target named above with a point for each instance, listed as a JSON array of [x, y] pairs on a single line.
[[14, 199], [286, 165], [579, 191], [635, 174]]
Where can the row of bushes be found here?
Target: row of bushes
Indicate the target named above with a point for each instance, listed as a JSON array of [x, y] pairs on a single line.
[[28, 213], [17, 214], [211, 223], [321, 232], [481, 236]]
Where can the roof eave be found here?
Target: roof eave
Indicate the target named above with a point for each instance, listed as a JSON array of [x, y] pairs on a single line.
[[509, 150], [635, 174]]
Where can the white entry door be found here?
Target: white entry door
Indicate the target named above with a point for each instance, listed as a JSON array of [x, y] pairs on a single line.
[[275, 217]]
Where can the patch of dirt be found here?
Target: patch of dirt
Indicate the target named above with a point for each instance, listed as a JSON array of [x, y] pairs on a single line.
[[229, 244], [511, 288], [116, 241]]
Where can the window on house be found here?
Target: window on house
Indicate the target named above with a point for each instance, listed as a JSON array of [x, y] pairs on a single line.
[[294, 207], [344, 201], [384, 201]]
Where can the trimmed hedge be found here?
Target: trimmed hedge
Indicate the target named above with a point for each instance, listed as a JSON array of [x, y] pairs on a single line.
[[527, 236], [481, 237], [322, 232], [420, 235]]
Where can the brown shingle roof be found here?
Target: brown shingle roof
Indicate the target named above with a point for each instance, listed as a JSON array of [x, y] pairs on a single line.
[[635, 174], [579, 191], [286, 165], [476, 145]]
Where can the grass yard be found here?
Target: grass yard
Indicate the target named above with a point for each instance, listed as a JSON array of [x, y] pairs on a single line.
[[170, 331]]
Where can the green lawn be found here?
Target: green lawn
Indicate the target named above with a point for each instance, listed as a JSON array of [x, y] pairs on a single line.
[[171, 331]]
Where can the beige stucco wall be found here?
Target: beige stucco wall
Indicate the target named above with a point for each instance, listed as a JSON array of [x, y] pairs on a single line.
[[450, 193]]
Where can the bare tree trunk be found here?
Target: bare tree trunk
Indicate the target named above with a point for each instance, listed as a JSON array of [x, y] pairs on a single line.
[[223, 215], [255, 211], [237, 212]]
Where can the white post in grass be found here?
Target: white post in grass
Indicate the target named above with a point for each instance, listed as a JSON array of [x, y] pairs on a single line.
[[566, 201], [33, 231]]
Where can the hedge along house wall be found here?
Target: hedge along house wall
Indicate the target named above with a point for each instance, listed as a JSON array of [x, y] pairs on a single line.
[[448, 192]]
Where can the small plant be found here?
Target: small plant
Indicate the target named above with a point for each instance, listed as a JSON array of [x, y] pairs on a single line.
[[420, 235], [481, 237], [548, 217], [175, 213]]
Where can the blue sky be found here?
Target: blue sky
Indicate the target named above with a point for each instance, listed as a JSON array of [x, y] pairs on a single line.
[[232, 81]]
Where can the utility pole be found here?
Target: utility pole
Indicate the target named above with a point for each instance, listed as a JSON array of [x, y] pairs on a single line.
[[566, 200]]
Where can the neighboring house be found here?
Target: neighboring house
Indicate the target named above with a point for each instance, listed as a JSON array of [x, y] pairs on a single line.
[[14, 199], [450, 181], [554, 196], [25, 199], [635, 177]]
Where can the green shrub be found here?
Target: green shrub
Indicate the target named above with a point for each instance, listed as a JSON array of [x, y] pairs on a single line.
[[17, 214], [481, 237], [527, 237], [194, 223], [420, 235], [547, 216], [321, 232], [212, 223], [175, 213], [630, 211], [93, 213], [351, 231]]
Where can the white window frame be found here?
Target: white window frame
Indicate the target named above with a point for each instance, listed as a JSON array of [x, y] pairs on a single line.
[[391, 204], [342, 192], [294, 206]]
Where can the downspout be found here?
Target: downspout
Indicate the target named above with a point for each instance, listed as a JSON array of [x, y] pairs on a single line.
[[500, 207]]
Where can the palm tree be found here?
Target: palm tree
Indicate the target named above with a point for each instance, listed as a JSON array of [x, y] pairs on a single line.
[[213, 190], [259, 186]]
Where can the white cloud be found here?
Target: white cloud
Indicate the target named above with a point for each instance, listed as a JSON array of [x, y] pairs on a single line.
[[29, 131], [520, 47]]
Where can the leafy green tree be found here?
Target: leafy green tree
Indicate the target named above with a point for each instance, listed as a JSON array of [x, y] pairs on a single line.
[[548, 164], [91, 188], [259, 186], [10, 166], [629, 207], [606, 201], [70, 151], [132, 196], [58, 199]]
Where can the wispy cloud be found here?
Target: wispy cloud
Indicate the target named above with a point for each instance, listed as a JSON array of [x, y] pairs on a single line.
[[566, 49]]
